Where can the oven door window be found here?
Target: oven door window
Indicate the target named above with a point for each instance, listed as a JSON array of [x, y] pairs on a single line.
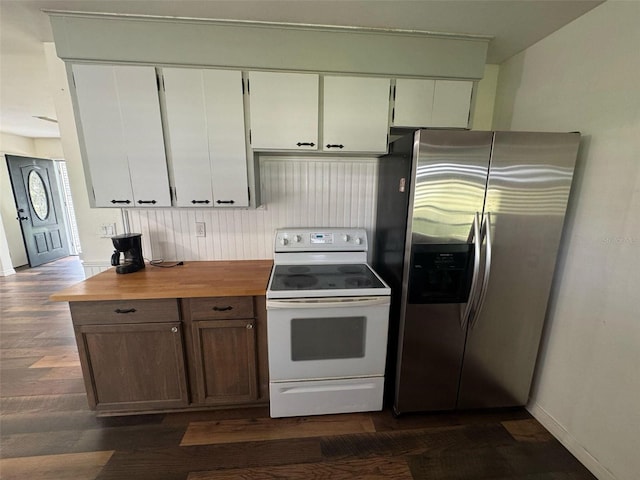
[[327, 338]]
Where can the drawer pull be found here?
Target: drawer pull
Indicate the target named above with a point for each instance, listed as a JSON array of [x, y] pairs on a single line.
[[174, 329], [127, 310], [222, 309], [249, 326]]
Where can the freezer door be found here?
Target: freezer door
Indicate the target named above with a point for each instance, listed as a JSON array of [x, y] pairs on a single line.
[[450, 180], [430, 358], [450, 175], [528, 188]]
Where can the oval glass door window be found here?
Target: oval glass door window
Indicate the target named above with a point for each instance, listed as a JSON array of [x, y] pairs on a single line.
[[38, 195]]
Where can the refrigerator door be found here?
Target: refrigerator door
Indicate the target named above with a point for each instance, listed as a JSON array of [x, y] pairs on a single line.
[[431, 358], [527, 193], [450, 174], [450, 180]]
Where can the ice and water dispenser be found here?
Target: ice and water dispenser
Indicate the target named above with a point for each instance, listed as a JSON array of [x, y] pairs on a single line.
[[440, 273]]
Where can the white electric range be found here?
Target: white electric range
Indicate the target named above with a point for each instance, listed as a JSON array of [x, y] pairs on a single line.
[[327, 323]]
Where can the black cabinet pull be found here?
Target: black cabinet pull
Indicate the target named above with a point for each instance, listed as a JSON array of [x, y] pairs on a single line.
[[121, 201], [306, 144], [22, 218], [334, 145], [153, 202], [224, 201], [127, 310], [200, 201], [222, 309]]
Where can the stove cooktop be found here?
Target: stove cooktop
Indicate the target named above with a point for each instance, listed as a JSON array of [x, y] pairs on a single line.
[[354, 278]]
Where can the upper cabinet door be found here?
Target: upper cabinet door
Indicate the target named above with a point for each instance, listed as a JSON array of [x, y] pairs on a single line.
[[356, 114], [122, 132], [452, 103], [205, 137], [284, 110], [227, 142], [187, 143], [432, 103], [414, 102]]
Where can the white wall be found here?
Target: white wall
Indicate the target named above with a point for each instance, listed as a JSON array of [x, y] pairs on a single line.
[[485, 98], [15, 145], [48, 148], [586, 77]]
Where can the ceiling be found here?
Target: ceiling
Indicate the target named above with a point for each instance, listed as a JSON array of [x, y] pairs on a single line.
[[24, 91]]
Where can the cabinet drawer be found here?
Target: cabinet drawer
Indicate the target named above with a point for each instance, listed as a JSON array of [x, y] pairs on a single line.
[[220, 307], [124, 311]]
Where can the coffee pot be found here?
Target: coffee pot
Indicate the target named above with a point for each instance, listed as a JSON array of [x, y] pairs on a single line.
[[129, 244]]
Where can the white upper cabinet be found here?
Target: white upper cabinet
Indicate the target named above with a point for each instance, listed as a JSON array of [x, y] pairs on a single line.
[[284, 110], [206, 137], [451, 103], [432, 103], [355, 114], [121, 128], [414, 102]]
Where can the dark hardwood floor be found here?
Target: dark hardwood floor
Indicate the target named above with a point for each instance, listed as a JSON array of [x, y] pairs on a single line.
[[48, 432]]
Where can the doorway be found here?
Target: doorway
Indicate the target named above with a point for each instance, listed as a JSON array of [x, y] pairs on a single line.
[[39, 208]]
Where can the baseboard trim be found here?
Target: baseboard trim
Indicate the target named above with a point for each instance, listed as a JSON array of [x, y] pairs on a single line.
[[7, 272], [569, 442]]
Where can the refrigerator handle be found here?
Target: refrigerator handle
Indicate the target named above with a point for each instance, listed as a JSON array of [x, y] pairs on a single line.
[[486, 230], [477, 241]]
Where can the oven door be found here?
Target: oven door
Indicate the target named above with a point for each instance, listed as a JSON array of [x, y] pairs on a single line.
[[324, 338]]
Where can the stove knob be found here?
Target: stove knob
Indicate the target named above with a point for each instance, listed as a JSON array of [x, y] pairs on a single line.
[[346, 238], [297, 238], [358, 240], [284, 241]]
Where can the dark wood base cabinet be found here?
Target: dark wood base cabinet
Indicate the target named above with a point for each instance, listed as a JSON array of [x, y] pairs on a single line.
[[172, 354]]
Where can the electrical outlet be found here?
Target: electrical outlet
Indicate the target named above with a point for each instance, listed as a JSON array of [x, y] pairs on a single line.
[[200, 230]]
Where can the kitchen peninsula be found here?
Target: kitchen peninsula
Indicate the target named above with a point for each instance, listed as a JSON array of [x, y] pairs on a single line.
[[192, 336]]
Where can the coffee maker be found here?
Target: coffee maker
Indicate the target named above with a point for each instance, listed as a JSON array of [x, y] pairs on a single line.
[[131, 245]]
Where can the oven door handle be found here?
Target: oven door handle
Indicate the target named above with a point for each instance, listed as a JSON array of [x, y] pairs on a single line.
[[333, 302]]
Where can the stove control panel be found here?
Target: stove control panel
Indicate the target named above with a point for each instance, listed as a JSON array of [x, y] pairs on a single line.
[[321, 239]]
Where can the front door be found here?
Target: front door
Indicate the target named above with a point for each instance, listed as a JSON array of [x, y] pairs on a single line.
[[39, 208]]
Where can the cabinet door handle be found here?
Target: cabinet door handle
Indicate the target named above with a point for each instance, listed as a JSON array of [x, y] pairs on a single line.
[[334, 145], [153, 202], [200, 201], [22, 218], [249, 326], [225, 201], [126, 310], [174, 329], [222, 309], [306, 144], [121, 201]]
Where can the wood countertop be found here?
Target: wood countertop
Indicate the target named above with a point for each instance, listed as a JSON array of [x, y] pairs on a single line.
[[193, 279]]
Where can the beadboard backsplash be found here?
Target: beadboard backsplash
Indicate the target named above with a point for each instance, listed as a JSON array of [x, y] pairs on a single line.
[[296, 192]]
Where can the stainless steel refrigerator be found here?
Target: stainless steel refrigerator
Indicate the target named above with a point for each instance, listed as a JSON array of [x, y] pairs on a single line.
[[467, 234]]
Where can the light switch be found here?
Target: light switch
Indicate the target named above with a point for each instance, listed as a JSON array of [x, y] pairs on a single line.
[[107, 230]]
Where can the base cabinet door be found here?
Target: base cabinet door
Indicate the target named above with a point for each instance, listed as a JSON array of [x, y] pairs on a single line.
[[133, 366], [225, 361]]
